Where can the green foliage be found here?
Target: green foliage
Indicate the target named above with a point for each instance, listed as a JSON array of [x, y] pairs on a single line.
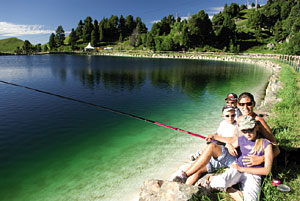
[[52, 44], [87, 29], [60, 36], [10, 45], [200, 28], [285, 123]]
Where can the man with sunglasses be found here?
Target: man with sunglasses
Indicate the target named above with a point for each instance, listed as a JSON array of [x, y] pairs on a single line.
[[231, 99]]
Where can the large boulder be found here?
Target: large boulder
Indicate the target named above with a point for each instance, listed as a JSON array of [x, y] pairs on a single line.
[[161, 190]]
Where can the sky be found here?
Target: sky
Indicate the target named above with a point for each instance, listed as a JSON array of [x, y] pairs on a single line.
[[35, 20]]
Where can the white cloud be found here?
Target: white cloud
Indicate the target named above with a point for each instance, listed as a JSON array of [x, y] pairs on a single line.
[[9, 29], [182, 18], [215, 10], [154, 21]]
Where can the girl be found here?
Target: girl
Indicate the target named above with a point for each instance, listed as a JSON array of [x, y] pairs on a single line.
[[250, 143]]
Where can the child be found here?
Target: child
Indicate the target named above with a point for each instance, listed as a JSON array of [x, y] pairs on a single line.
[[250, 142], [231, 99], [215, 155]]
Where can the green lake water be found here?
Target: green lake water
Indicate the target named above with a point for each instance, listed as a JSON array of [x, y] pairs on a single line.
[[53, 149]]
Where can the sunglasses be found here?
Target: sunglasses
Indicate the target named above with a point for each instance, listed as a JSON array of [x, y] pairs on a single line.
[[248, 130], [230, 102], [248, 104], [233, 115]]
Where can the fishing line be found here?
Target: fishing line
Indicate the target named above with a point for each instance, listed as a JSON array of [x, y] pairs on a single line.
[[102, 107]]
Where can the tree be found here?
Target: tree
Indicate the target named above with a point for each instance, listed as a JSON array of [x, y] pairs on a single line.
[[134, 38], [112, 28], [167, 44], [94, 38], [217, 23], [79, 30], [52, 43], [200, 28], [87, 29], [102, 30], [45, 48], [60, 36], [233, 10], [130, 25], [150, 41], [122, 26], [38, 47], [279, 33], [27, 47], [255, 20], [96, 33], [72, 37], [140, 26], [294, 44]]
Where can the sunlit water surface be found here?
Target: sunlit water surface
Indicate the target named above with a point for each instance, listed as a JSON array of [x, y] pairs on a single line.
[[53, 149]]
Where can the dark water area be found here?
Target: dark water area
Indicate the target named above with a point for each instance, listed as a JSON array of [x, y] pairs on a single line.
[[57, 149]]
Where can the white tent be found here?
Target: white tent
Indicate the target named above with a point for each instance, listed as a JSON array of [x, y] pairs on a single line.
[[89, 47]]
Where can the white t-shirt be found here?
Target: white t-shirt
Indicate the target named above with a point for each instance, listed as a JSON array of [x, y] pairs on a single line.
[[225, 129]]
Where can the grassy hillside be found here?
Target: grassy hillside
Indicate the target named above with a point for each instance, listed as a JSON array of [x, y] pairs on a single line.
[[10, 44]]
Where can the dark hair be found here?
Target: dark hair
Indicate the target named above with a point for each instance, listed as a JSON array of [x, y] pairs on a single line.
[[246, 95]]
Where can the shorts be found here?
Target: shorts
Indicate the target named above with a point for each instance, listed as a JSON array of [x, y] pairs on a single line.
[[223, 161]]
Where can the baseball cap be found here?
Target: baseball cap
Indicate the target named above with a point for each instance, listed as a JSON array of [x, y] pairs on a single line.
[[247, 122], [231, 96]]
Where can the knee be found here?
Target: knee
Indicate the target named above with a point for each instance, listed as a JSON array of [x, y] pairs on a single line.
[[212, 146]]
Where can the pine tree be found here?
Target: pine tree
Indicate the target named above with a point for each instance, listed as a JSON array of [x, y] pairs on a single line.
[[60, 36], [87, 29], [52, 43], [79, 30], [72, 38]]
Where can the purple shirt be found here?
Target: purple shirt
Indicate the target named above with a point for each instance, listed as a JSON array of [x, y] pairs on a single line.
[[246, 146]]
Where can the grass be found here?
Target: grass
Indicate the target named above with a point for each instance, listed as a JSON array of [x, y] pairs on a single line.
[[285, 123], [286, 114], [9, 45]]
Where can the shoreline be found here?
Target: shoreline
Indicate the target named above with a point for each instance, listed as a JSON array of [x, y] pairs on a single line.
[[266, 101]]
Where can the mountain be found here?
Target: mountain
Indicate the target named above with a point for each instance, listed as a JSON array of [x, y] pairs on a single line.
[[10, 44]]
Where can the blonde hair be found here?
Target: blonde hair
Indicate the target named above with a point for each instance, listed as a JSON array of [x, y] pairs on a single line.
[[259, 144]]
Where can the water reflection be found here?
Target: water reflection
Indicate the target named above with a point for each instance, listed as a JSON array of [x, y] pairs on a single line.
[[189, 76]]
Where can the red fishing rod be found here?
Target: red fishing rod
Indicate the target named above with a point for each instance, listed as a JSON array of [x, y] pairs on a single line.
[[102, 107]]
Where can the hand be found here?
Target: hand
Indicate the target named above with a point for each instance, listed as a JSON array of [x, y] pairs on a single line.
[[231, 149], [252, 160], [236, 166], [210, 138]]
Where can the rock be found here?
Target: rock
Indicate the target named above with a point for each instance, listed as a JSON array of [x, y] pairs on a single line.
[[162, 190], [270, 45]]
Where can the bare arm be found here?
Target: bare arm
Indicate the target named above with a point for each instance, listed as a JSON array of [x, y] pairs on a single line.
[[265, 130], [219, 138], [263, 170]]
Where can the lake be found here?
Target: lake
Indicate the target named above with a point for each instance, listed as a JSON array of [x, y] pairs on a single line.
[[54, 149]]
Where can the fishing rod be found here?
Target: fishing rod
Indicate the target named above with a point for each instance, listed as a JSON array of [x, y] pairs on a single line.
[[102, 107]]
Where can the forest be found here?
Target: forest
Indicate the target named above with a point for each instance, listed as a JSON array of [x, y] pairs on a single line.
[[273, 27]]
